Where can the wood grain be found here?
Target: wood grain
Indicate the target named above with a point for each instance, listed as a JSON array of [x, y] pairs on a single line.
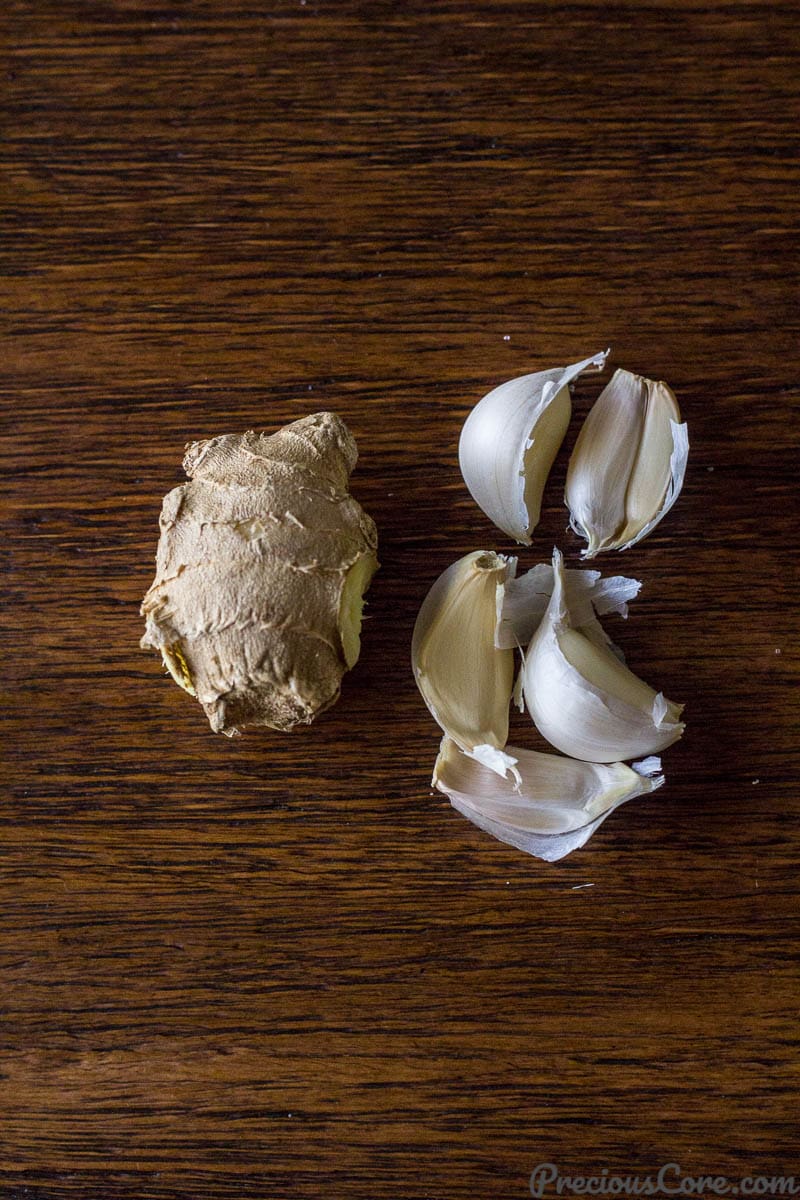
[[279, 966]]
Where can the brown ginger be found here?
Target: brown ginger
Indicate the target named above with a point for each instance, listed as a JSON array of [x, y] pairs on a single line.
[[262, 565]]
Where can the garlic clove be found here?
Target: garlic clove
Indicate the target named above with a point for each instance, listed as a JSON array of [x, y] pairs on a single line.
[[553, 809], [582, 698], [509, 441], [464, 679], [650, 474], [602, 460], [628, 465], [639, 526]]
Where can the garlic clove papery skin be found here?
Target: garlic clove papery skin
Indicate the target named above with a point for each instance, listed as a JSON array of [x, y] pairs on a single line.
[[509, 441], [628, 465], [526, 598], [554, 807], [464, 679], [582, 698]]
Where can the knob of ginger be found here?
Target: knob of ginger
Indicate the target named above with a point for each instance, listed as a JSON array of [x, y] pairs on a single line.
[[261, 569]]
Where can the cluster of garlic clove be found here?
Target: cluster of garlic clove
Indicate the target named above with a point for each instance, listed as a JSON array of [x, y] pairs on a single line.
[[625, 473], [579, 693], [626, 470]]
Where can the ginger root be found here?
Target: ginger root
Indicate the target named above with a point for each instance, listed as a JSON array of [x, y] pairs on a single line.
[[262, 564]]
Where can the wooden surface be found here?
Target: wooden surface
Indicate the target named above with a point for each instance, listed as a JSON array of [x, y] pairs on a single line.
[[280, 966]]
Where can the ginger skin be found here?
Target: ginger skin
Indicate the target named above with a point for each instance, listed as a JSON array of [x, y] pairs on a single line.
[[262, 563]]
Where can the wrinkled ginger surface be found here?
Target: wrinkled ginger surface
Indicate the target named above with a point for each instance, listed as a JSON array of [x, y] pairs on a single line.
[[260, 571]]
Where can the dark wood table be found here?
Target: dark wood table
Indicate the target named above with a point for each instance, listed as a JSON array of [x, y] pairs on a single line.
[[280, 966]]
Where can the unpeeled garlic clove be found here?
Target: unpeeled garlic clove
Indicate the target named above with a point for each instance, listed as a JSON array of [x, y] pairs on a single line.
[[581, 697], [509, 441], [628, 465], [465, 680], [555, 807]]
